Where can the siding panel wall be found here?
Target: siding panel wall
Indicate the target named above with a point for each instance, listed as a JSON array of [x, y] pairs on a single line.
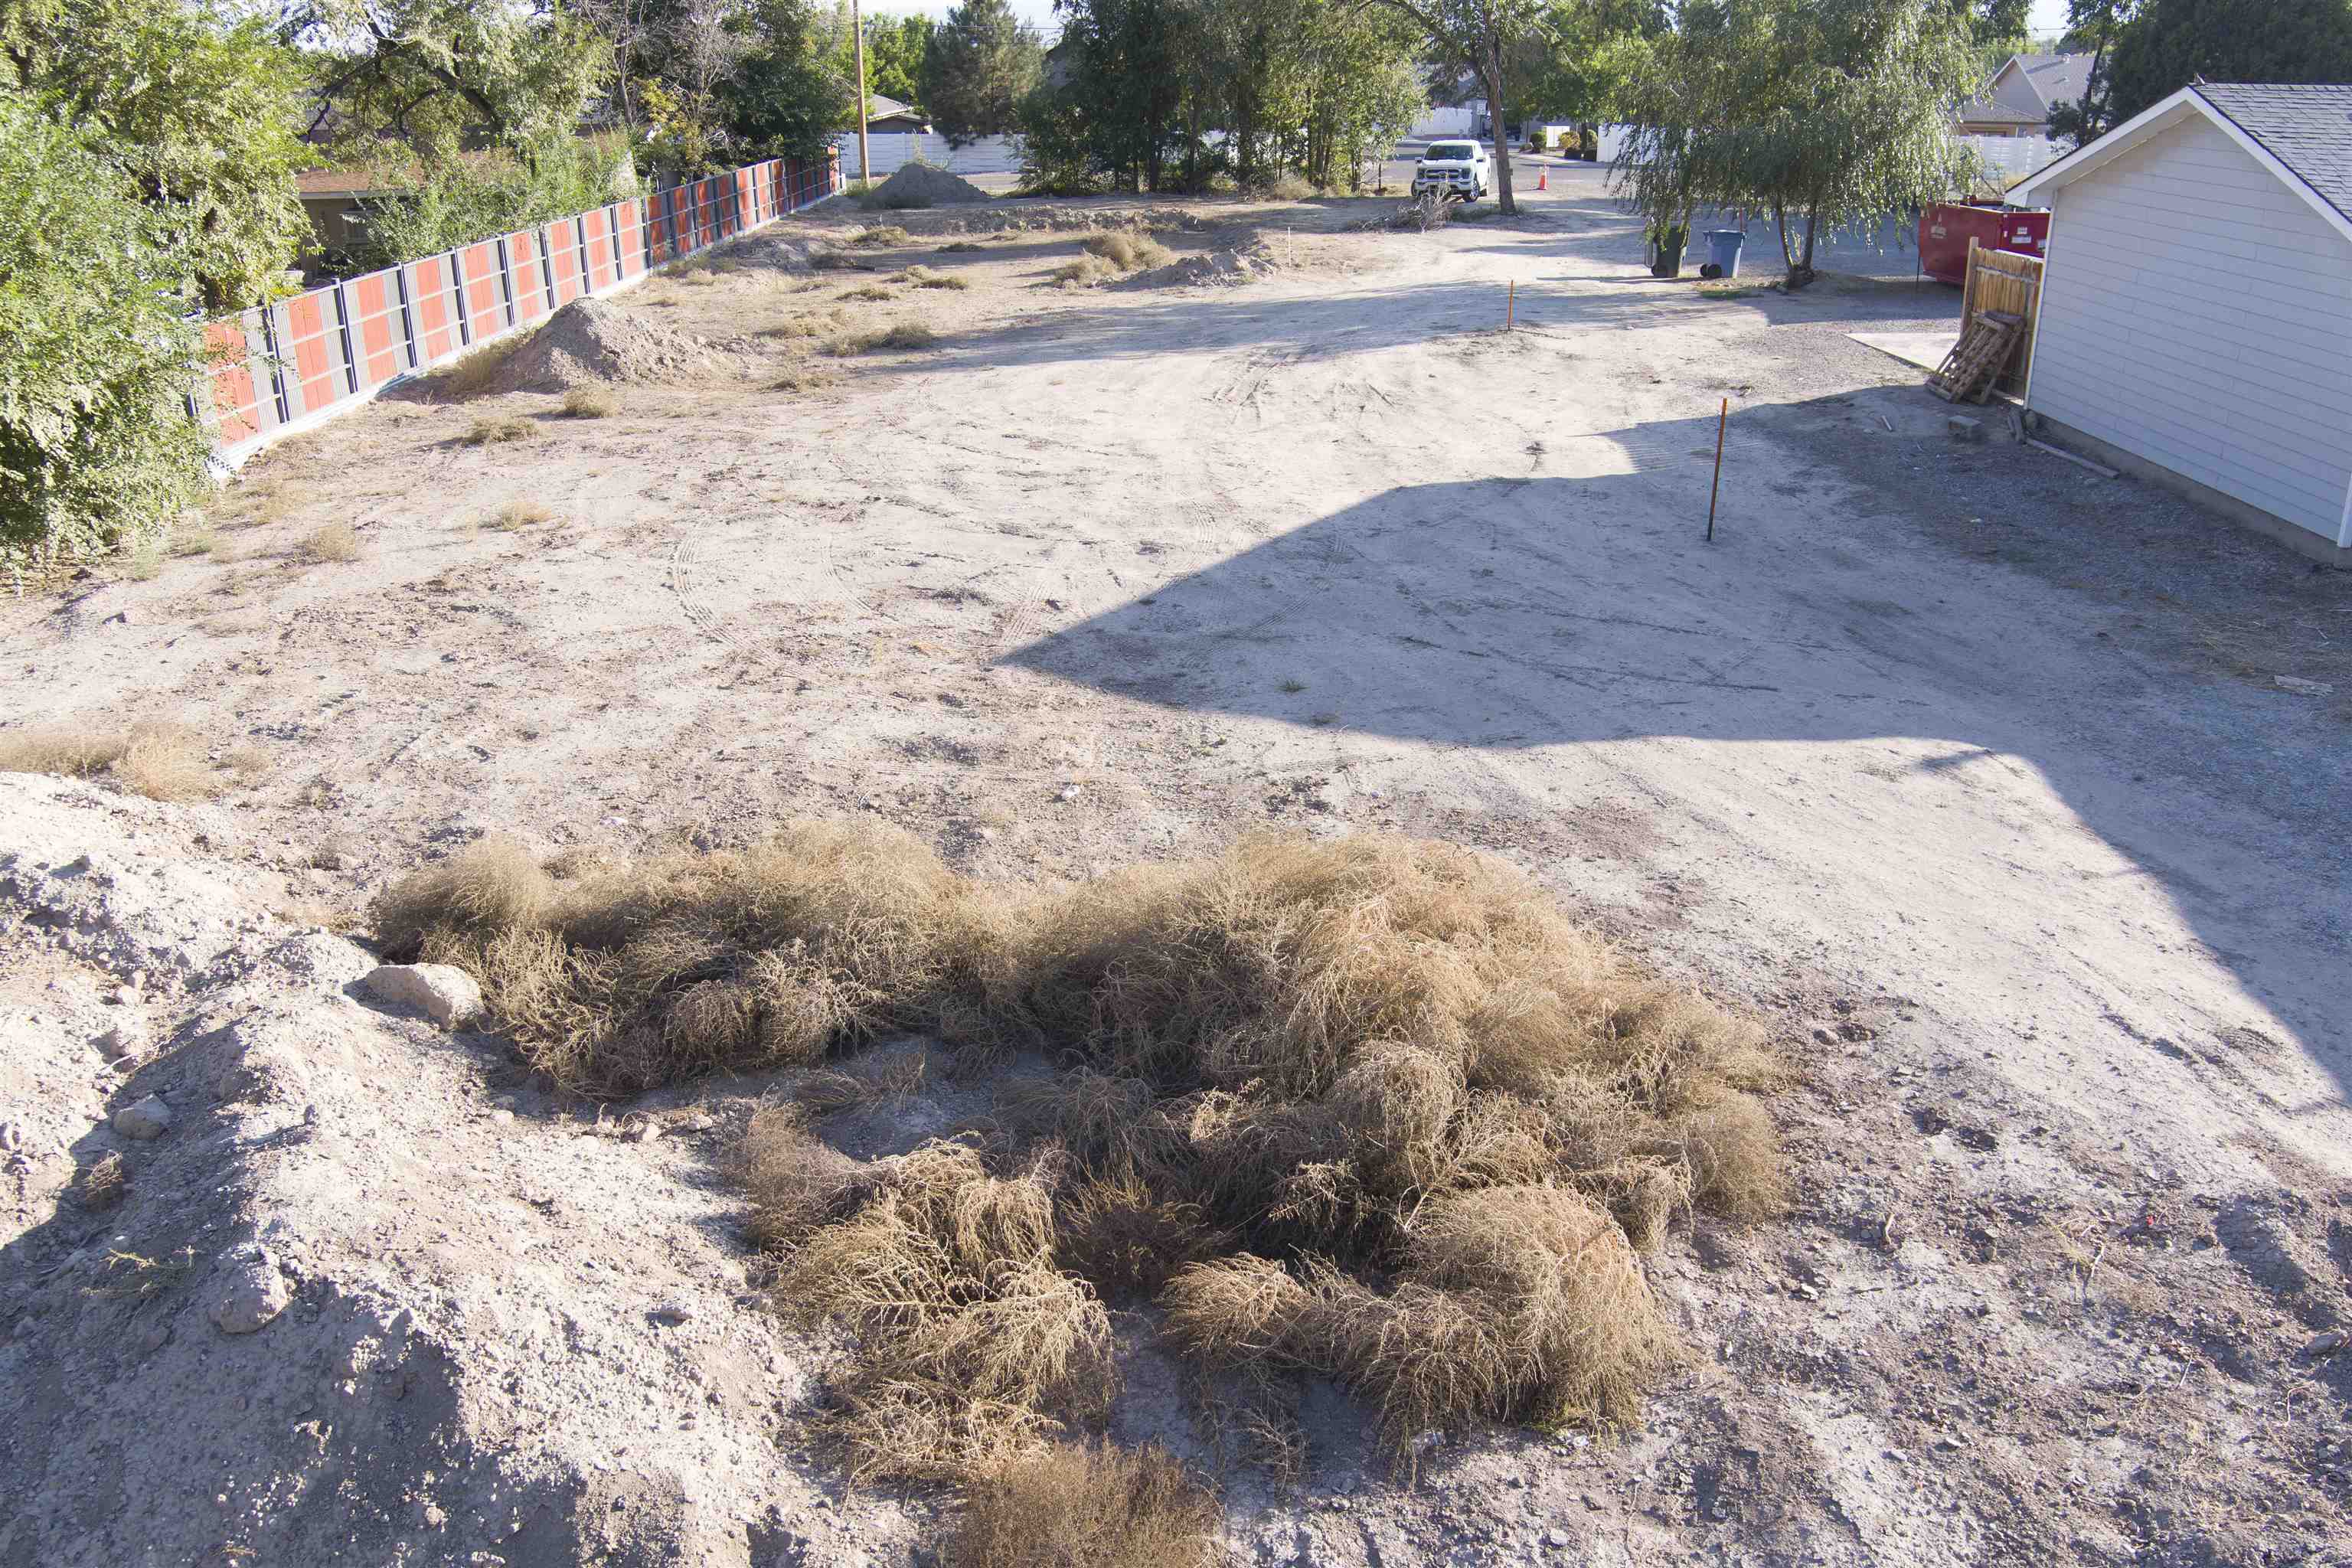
[[2197, 314]]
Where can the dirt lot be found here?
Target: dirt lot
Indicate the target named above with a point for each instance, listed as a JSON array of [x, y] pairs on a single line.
[[1968, 768]]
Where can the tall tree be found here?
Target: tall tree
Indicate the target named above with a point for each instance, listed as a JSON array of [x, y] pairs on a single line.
[[978, 66], [2167, 44], [197, 111], [2096, 23]]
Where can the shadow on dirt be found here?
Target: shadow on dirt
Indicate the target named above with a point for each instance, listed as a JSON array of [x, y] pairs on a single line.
[[1579, 605]]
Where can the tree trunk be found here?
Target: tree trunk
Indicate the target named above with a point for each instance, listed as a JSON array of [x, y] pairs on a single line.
[[1493, 73], [1781, 218], [1802, 273]]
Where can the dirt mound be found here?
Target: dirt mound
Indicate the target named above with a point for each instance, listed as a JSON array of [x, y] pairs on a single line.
[[774, 250], [595, 339], [922, 185], [1232, 264]]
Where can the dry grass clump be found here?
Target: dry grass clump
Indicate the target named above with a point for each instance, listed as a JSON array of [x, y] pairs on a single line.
[[1083, 272], [924, 277], [974, 1349], [827, 934], [1090, 1506], [591, 402], [493, 428], [519, 514], [160, 759], [104, 1184], [803, 378], [336, 543], [881, 233], [900, 335], [959, 247], [1373, 1110], [873, 291], [476, 373], [71, 753], [1126, 249]]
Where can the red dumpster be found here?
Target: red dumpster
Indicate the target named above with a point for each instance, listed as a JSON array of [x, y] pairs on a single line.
[[1945, 232]]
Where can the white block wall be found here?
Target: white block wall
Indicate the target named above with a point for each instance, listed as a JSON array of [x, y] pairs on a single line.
[[2014, 157], [2197, 314], [991, 155]]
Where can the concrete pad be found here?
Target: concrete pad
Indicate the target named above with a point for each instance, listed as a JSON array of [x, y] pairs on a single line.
[[1925, 350]]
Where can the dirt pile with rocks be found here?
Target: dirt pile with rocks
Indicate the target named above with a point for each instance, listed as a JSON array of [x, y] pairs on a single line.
[[924, 185], [592, 341]]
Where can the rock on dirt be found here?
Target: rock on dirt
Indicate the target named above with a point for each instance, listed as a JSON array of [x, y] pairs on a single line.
[[922, 185], [251, 1294], [143, 1120], [447, 995], [598, 341]]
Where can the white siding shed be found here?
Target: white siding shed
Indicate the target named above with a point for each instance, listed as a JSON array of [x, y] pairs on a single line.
[[2196, 314]]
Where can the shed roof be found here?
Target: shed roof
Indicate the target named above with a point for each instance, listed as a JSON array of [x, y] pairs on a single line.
[[2301, 133], [2306, 127]]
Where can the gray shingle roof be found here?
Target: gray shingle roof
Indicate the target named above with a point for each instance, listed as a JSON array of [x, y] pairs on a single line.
[[2308, 128], [2059, 78]]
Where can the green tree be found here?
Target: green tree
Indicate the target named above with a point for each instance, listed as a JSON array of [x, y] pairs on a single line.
[[977, 68], [198, 113], [2167, 44], [443, 75], [96, 350], [1828, 114], [2094, 24], [895, 51], [787, 94]]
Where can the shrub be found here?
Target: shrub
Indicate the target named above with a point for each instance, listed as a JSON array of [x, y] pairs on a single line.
[[592, 403], [1069, 1506], [870, 291], [881, 233], [956, 247], [160, 759], [476, 373], [96, 355]]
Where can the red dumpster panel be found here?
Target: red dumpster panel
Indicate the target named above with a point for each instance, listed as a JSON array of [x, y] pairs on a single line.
[[1946, 229]]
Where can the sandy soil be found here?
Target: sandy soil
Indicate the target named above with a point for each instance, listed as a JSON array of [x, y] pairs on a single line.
[[1969, 768]]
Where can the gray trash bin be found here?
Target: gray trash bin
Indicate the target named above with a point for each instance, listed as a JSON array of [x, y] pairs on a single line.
[[1723, 249]]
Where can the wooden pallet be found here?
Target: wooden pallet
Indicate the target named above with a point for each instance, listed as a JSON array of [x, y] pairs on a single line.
[[1975, 362]]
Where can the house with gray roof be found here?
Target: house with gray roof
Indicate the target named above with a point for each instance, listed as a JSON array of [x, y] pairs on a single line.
[[2195, 323], [2018, 98]]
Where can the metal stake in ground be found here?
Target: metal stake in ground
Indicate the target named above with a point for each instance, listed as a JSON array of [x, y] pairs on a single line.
[[1716, 489], [1511, 305]]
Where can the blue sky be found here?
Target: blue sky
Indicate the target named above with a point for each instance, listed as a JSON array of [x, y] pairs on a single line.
[[2048, 16]]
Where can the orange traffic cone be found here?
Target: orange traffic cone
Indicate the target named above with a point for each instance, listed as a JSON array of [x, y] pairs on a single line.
[[1543, 178]]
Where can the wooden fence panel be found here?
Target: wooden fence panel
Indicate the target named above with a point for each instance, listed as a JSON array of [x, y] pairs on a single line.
[[2006, 282]]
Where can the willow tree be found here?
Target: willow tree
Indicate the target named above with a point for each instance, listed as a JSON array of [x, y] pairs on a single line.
[[1829, 115]]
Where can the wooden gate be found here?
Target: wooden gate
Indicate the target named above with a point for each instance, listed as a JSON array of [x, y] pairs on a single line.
[[2005, 281]]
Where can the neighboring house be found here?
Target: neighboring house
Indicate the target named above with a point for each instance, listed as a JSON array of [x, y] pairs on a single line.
[[2195, 324], [334, 200], [2017, 102], [888, 116]]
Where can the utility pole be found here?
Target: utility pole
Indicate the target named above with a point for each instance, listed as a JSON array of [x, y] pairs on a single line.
[[865, 158]]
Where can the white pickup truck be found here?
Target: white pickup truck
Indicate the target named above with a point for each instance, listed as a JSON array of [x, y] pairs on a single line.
[[1456, 168]]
